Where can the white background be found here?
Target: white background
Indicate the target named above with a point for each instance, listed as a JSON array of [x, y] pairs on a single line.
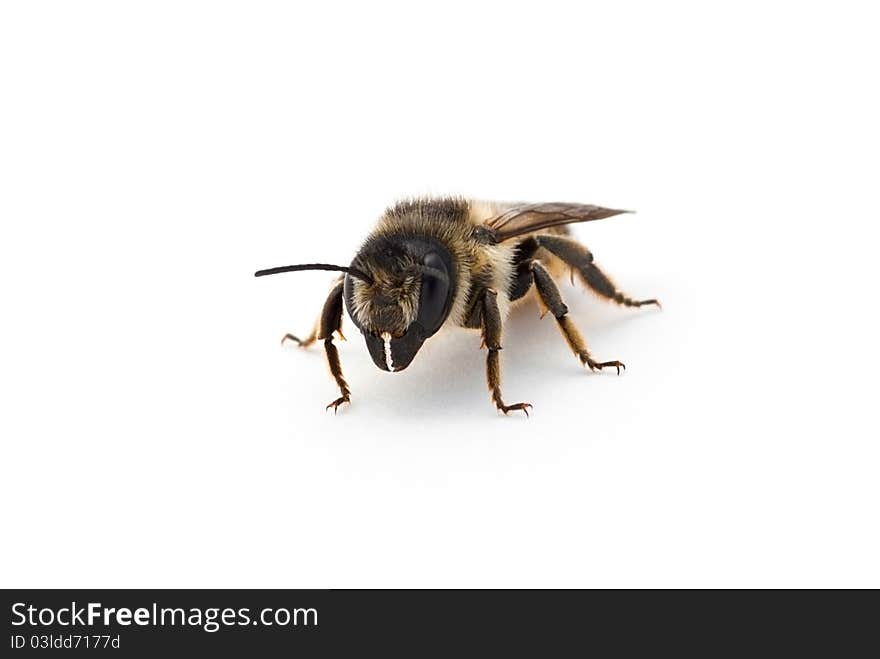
[[154, 433]]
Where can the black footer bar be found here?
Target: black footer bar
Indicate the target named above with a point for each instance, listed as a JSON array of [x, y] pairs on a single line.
[[415, 622]]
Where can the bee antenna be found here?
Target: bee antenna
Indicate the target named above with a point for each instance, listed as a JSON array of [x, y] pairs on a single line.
[[354, 272]]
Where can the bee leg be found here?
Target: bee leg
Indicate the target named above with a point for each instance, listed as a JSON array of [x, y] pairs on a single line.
[[302, 343], [581, 260], [551, 298], [331, 321], [492, 341]]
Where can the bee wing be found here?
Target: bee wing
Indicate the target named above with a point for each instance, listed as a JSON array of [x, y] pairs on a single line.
[[514, 220]]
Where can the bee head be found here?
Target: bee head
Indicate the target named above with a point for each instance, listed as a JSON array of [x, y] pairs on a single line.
[[404, 299]]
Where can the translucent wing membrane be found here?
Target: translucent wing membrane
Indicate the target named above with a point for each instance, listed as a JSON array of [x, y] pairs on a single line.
[[518, 219]]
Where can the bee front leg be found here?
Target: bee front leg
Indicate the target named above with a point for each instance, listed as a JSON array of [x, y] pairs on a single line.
[[492, 340], [331, 321], [551, 298]]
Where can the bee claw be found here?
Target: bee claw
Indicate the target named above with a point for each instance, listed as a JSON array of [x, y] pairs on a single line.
[[290, 337], [598, 366], [299, 342], [524, 407], [336, 403]]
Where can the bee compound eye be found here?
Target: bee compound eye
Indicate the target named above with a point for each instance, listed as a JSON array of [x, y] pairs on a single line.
[[434, 294]]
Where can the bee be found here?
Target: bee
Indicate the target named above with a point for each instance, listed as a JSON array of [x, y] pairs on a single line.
[[450, 262]]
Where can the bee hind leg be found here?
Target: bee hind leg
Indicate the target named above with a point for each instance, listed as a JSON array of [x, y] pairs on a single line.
[[492, 340], [580, 260], [549, 293]]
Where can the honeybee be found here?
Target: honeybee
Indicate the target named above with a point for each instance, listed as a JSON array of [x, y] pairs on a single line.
[[439, 262]]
